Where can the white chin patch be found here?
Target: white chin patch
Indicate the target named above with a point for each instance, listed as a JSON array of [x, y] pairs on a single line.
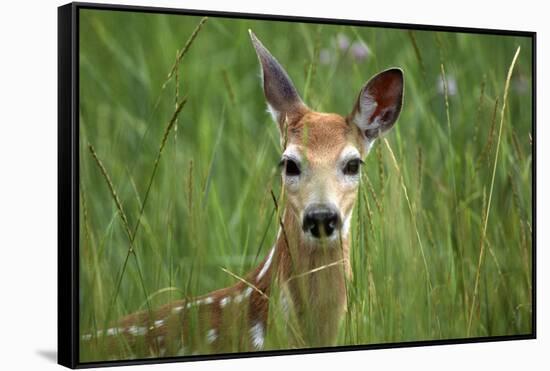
[[314, 242]]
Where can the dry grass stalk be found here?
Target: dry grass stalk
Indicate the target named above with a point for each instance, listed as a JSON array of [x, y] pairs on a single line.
[[157, 160], [414, 43], [251, 285], [228, 86], [484, 231], [113, 192], [479, 108], [381, 176], [186, 48], [373, 193], [411, 210]]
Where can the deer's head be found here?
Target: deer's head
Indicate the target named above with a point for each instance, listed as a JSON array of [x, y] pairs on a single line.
[[323, 152]]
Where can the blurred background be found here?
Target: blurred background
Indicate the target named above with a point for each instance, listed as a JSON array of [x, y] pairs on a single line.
[[418, 227]]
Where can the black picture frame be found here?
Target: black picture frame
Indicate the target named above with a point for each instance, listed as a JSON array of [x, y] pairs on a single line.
[[68, 182]]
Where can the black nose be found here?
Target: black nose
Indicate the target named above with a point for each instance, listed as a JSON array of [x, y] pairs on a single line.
[[320, 220]]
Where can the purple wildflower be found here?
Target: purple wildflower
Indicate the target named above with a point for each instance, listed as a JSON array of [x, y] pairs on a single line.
[[359, 51]]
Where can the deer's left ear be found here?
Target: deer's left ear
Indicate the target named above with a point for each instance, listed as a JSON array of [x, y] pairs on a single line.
[[378, 105]]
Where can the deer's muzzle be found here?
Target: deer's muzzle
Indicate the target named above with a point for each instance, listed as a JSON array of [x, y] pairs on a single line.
[[321, 220]]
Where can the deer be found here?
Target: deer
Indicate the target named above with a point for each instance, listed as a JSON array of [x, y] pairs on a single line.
[[305, 273]]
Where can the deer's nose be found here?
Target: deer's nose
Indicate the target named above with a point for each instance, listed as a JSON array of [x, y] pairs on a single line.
[[321, 220]]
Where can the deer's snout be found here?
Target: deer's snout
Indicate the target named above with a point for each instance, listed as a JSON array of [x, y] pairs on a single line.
[[321, 220]]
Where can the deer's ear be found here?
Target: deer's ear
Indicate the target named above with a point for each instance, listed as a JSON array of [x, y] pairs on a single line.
[[281, 96], [378, 105]]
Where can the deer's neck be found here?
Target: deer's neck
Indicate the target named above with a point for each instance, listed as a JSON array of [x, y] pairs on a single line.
[[310, 277]]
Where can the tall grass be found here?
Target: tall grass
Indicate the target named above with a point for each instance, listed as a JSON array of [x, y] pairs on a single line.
[[190, 194]]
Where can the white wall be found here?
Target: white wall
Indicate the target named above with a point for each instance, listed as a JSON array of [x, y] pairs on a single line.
[[28, 181]]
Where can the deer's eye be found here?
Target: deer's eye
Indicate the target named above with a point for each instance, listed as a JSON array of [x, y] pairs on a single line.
[[352, 167], [291, 168]]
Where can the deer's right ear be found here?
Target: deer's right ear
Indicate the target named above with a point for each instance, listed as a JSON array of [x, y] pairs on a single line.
[[283, 100], [378, 105]]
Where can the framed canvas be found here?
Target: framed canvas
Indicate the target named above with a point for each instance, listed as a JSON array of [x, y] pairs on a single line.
[[240, 185]]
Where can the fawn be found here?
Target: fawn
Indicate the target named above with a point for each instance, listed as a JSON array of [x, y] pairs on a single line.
[[305, 273]]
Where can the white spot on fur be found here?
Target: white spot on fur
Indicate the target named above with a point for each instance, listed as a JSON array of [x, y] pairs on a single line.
[[176, 310], [208, 300], [136, 331], [113, 331], [266, 265], [257, 335], [247, 292], [239, 298], [195, 303], [225, 301], [160, 339], [159, 323], [211, 336]]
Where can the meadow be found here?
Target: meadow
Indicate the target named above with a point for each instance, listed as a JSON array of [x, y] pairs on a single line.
[[442, 230]]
